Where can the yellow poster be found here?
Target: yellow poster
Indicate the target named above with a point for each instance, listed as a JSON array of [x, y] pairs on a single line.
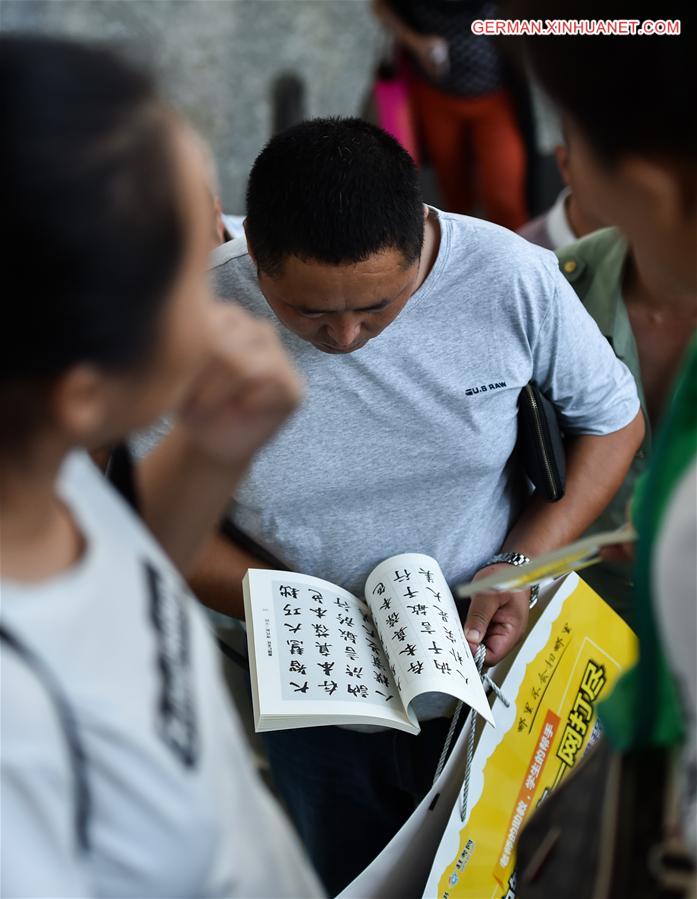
[[568, 663]]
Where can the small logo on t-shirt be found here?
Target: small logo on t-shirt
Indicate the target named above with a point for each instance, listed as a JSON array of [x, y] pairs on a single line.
[[485, 388]]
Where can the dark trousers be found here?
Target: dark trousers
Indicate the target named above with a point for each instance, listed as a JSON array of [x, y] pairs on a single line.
[[349, 792]]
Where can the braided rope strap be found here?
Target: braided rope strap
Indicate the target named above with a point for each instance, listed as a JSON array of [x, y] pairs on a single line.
[[488, 685]]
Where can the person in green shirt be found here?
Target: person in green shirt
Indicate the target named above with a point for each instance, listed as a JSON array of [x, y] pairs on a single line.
[[650, 335], [626, 100]]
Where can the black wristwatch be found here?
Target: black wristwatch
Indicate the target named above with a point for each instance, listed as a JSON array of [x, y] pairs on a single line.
[[513, 558]]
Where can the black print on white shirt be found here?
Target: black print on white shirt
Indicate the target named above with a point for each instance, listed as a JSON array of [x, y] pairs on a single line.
[[485, 388], [176, 718]]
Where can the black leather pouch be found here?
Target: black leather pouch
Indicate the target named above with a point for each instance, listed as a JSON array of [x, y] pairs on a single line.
[[541, 444]]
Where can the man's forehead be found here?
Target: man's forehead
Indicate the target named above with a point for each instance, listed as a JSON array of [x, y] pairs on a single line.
[[331, 305], [317, 287], [341, 301]]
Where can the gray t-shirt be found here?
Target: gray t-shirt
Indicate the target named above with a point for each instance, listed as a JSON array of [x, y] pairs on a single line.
[[407, 444]]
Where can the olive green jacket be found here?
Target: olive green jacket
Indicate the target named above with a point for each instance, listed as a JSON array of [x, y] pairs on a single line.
[[594, 266]]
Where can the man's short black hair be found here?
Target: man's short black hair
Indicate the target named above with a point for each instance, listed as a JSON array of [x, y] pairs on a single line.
[[628, 94], [335, 191]]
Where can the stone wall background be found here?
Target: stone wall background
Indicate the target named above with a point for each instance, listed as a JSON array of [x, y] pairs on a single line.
[[218, 59]]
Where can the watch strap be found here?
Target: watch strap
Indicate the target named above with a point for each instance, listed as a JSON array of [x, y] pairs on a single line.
[[516, 559]]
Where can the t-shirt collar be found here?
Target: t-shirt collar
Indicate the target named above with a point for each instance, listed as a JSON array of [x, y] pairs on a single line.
[[558, 227], [224, 252], [430, 281]]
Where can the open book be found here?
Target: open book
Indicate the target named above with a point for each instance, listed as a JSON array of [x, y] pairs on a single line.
[[320, 655]]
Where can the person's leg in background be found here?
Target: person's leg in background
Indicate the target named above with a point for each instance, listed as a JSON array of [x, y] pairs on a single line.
[[335, 785], [349, 792], [445, 134], [500, 160]]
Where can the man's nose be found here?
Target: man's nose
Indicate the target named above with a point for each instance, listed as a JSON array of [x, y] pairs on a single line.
[[345, 330]]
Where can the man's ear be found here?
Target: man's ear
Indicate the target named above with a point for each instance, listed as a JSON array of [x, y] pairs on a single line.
[[78, 404], [561, 154]]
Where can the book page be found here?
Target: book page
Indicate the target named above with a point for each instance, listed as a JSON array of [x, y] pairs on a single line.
[[420, 630], [316, 651]]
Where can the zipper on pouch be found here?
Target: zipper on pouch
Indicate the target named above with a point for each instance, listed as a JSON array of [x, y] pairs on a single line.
[[554, 486]]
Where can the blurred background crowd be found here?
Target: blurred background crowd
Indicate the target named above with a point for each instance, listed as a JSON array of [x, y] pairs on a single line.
[[241, 70]]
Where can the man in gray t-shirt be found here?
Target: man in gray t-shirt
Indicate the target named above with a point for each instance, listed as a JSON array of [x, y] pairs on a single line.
[[416, 331]]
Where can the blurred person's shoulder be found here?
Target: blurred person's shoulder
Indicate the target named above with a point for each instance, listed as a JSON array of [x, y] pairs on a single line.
[[39, 794], [593, 266], [30, 721], [234, 275], [591, 253]]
